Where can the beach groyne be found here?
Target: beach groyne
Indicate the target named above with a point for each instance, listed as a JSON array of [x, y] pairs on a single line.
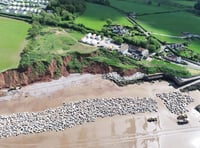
[[72, 114]]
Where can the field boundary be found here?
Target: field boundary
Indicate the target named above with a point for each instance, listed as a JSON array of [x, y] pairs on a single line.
[[21, 18]]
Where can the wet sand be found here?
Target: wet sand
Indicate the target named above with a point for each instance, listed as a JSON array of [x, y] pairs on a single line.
[[119, 131]]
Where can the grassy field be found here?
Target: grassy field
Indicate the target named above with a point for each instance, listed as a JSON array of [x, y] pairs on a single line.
[[172, 24], [166, 23], [156, 66], [57, 41], [185, 3], [95, 16], [138, 6], [12, 41], [115, 59]]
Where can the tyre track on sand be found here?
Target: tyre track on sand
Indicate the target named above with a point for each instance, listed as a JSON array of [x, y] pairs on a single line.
[[118, 139]]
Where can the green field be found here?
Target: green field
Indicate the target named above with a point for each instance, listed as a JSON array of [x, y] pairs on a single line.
[[185, 3], [95, 16], [58, 41], [138, 7], [12, 41], [166, 23], [172, 24]]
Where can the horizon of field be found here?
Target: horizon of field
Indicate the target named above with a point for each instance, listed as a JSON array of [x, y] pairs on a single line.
[[139, 7]]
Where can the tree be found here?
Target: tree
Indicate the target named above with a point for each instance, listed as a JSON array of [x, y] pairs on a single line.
[[197, 5], [102, 2], [118, 40], [34, 30], [162, 2], [66, 15], [109, 22], [149, 2], [72, 6]]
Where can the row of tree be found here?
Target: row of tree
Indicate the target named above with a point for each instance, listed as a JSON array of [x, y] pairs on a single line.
[[72, 6], [102, 2], [197, 5]]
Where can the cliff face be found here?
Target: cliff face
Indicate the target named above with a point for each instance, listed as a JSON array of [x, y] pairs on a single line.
[[16, 77]]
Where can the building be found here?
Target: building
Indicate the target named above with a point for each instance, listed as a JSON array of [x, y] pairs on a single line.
[[124, 49], [120, 30], [138, 52], [177, 46], [23, 7], [143, 52], [91, 39]]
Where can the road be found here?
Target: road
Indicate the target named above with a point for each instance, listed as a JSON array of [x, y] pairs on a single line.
[[166, 35]]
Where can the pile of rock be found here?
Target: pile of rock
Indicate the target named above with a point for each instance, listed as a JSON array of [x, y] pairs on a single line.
[[121, 81], [176, 102], [72, 114], [2, 93]]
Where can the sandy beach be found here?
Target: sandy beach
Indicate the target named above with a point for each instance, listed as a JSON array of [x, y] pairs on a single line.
[[119, 131]]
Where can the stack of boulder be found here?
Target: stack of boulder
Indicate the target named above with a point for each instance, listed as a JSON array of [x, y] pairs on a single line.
[[176, 102], [72, 114]]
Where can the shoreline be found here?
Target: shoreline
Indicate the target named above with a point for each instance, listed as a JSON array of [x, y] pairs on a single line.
[[106, 131]]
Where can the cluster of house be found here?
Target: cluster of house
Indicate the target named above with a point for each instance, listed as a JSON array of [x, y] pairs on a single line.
[[23, 7], [98, 41], [125, 49], [170, 56], [189, 35], [92, 39], [177, 46], [174, 58], [135, 52], [121, 30]]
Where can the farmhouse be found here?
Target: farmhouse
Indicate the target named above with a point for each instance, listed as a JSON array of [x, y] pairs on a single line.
[[133, 51], [177, 46], [121, 30], [173, 58], [125, 49], [138, 52]]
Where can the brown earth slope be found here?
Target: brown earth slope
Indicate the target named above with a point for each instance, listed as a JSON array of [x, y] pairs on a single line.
[[18, 77]]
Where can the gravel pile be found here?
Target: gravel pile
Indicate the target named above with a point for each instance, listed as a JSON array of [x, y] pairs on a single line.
[[72, 114], [176, 102], [121, 81]]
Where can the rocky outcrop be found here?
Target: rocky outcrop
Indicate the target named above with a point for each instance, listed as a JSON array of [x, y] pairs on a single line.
[[124, 80]]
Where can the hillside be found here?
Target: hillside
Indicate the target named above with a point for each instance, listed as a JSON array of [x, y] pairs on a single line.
[[55, 37]]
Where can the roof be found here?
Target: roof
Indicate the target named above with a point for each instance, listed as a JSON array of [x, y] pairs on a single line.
[[124, 47]]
